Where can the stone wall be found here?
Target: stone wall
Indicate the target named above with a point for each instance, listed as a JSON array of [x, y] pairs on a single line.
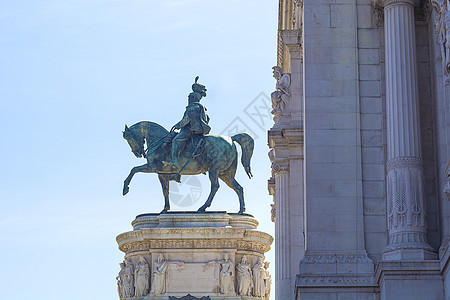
[[365, 117]]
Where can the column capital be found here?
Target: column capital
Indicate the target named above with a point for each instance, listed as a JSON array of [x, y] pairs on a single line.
[[386, 3], [280, 166]]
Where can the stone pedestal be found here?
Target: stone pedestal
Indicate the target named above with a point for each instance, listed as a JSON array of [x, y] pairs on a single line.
[[409, 280], [190, 253]]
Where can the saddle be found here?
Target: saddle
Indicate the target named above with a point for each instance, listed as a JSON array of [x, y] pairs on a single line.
[[190, 147]]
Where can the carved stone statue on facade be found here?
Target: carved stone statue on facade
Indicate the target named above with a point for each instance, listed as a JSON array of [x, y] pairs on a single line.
[[267, 281], [128, 279], [142, 278], [119, 279], [280, 98], [226, 274], [297, 14], [259, 274], [214, 154], [244, 273], [159, 280], [442, 31]]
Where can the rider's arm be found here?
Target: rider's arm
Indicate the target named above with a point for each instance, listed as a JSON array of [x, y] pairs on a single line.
[[183, 121]]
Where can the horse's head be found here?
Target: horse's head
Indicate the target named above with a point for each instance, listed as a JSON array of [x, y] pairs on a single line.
[[135, 140]]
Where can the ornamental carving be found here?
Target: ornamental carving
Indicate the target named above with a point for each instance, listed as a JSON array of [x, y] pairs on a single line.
[[447, 185], [442, 31], [405, 199], [277, 168], [253, 245], [189, 297], [340, 280], [333, 259], [404, 162]]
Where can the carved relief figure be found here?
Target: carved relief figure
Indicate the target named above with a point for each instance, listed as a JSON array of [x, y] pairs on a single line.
[[128, 279], [142, 278], [119, 279], [442, 31], [245, 281], [282, 94], [226, 275], [297, 15], [159, 281], [259, 274], [267, 281]]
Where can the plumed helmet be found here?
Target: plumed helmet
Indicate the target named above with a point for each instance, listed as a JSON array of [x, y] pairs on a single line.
[[199, 88]]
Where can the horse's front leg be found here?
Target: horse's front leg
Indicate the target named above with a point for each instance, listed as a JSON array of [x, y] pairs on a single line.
[[164, 179], [144, 169]]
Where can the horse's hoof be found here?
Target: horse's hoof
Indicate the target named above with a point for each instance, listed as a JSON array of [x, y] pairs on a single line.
[[165, 210], [202, 209], [125, 190], [241, 212]]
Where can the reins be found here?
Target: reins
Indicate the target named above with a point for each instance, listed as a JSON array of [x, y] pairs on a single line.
[[156, 144]]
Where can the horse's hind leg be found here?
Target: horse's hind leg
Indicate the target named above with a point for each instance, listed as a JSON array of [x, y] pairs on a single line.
[[164, 180], [228, 178], [214, 178]]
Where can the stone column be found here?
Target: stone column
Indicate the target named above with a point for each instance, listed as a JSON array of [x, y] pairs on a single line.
[[405, 195], [280, 170]]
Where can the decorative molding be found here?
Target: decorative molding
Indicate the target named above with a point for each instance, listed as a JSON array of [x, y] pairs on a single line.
[[401, 270], [189, 297], [229, 243], [333, 259], [404, 162], [342, 280], [385, 3], [286, 137], [447, 185], [271, 186], [292, 39]]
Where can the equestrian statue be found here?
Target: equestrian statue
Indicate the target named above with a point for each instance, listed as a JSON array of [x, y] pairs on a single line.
[[190, 151]]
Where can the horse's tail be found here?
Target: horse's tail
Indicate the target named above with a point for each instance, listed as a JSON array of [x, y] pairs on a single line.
[[247, 144]]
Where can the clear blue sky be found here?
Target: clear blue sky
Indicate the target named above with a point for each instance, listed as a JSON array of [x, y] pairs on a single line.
[[72, 74]]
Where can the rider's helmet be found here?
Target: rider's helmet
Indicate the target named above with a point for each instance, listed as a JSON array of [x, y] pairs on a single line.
[[199, 88]]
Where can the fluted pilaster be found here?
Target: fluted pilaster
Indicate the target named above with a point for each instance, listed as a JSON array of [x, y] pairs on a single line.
[[405, 195], [280, 171]]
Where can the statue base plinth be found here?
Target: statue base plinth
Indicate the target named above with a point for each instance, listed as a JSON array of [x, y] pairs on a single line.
[[187, 251]]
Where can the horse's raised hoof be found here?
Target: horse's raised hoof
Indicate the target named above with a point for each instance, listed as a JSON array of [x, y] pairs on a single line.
[[125, 190]]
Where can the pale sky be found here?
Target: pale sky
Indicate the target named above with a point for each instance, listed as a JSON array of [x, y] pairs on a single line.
[[72, 74]]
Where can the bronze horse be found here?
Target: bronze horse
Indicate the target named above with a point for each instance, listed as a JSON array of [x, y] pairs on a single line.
[[218, 157]]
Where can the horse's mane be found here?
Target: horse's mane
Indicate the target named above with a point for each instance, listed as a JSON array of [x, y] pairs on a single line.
[[154, 130]]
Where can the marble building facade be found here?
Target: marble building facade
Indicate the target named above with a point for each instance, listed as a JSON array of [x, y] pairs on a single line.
[[360, 149]]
